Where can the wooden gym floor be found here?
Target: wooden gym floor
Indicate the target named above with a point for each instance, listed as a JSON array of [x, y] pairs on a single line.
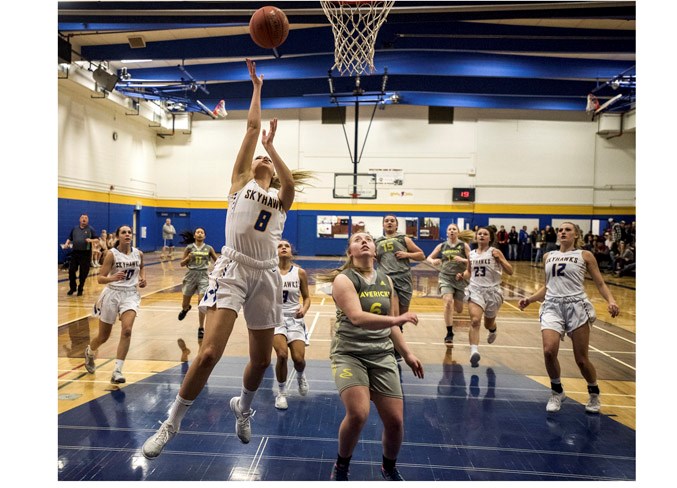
[[461, 423]]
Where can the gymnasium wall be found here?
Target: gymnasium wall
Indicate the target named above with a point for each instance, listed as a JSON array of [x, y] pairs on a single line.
[[524, 166]]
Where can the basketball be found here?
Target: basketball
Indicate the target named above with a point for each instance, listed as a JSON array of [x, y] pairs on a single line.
[[269, 27]]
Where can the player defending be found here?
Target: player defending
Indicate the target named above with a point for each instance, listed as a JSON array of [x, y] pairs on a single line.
[[291, 336]]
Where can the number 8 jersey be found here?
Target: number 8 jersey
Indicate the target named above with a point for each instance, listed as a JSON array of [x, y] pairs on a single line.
[[255, 221], [565, 274]]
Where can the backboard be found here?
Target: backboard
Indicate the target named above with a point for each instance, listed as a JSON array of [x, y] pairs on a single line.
[[355, 185]]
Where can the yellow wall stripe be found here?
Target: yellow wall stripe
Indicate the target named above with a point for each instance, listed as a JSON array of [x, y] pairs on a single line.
[[479, 208]]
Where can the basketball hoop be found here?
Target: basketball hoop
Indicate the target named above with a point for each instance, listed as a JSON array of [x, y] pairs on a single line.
[[355, 25], [220, 110]]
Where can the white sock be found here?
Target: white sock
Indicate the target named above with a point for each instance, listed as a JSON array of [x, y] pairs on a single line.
[[246, 398], [473, 348], [178, 410], [300, 375], [282, 388], [118, 364]]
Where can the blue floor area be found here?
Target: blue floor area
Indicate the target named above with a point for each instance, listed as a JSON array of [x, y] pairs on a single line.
[[461, 424]]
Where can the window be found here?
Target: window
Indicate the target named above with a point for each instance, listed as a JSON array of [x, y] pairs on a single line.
[[332, 227], [429, 228]]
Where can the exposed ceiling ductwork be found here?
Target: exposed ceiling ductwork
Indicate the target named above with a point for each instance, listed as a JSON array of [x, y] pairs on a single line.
[[498, 55]]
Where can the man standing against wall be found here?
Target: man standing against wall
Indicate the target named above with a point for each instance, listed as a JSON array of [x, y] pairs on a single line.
[[82, 237], [168, 233]]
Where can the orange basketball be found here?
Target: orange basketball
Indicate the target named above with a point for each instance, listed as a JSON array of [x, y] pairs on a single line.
[[269, 27]]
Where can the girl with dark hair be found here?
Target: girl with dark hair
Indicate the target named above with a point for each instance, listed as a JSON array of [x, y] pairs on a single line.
[[291, 336], [394, 251], [122, 272], [484, 296], [196, 258]]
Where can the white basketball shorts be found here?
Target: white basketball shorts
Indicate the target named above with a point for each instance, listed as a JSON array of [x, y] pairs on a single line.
[[567, 314], [293, 329], [112, 303], [236, 286]]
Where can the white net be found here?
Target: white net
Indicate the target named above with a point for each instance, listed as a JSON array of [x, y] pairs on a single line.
[[355, 25], [592, 103], [220, 110]]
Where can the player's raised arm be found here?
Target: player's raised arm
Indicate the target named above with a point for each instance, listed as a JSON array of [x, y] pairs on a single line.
[[243, 162]]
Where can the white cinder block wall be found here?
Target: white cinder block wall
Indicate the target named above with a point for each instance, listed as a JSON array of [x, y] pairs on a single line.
[[517, 157]]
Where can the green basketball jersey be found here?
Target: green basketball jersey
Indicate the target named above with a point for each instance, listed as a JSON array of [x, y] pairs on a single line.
[[386, 247], [199, 258], [374, 298], [447, 253]]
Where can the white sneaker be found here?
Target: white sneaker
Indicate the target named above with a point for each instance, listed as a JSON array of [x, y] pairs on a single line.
[[555, 402], [156, 443], [492, 336], [117, 377], [243, 427], [475, 358], [89, 360], [303, 385], [281, 402], [593, 405]]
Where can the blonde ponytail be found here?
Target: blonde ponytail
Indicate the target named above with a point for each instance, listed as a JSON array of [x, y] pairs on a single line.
[[301, 177]]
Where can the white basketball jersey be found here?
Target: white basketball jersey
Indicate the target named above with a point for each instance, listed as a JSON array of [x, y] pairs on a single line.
[[484, 269], [291, 291], [255, 221], [565, 274], [130, 264]]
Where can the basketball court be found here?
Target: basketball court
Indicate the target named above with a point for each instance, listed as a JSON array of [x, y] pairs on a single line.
[[461, 423]]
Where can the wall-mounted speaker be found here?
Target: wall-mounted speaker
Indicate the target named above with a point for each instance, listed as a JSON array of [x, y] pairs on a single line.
[[440, 115], [333, 115], [65, 51], [104, 79]]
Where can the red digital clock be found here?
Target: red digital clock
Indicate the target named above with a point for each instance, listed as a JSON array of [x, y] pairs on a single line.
[[463, 194]]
